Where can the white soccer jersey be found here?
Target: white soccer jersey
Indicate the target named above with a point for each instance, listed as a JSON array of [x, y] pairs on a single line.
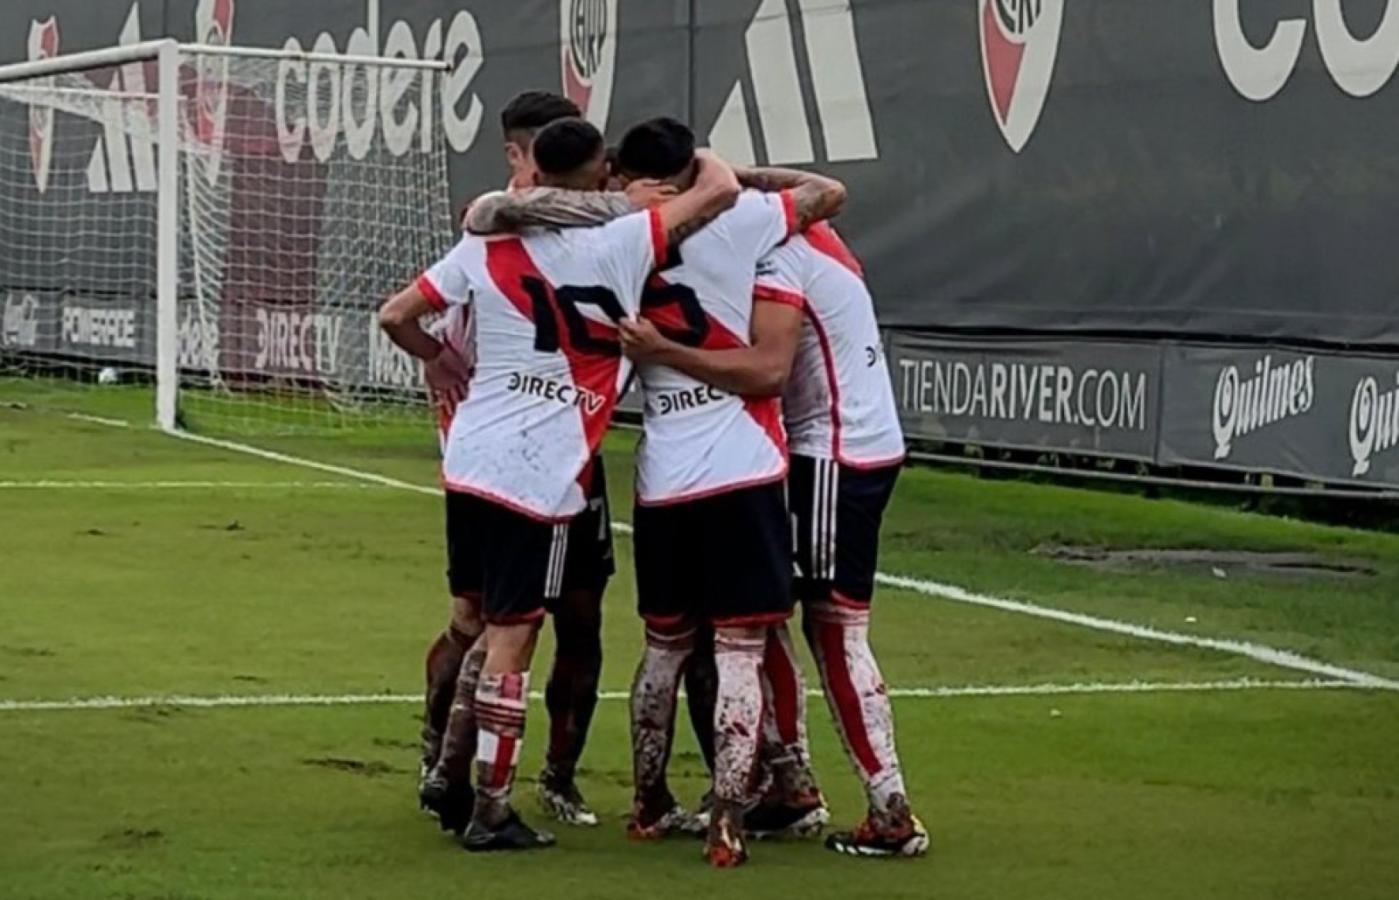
[[698, 439], [839, 402], [457, 330], [548, 362]]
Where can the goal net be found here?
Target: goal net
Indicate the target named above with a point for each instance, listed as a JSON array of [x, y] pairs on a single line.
[[238, 291]]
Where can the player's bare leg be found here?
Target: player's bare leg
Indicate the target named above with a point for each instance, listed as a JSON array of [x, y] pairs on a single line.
[[571, 697], [445, 788], [738, 720], [701, 690], [444, 658], [792, 804], [655, 813], [501, 697], [838, 631]]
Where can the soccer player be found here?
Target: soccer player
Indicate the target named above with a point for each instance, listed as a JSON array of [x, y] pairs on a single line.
[[712, 539], [712, 534], [519, 451], [847, 449], [571, 692]]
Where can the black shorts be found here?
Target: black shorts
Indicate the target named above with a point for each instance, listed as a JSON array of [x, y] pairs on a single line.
[[724, 559], [836, 514], [521, 565], [590, 561]]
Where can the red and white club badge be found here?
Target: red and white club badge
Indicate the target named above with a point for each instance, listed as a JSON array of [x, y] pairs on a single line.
[[43, 44], [213, 25], [1019, 44], [588, 44]]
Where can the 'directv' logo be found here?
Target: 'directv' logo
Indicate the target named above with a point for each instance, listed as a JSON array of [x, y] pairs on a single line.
[[1019, 44]]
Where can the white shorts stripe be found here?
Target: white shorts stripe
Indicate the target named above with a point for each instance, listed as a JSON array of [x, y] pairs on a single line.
[[833, 494], [824, 496], [558, 552]]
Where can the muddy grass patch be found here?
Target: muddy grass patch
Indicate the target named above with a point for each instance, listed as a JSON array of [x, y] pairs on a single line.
[[1219, 563]]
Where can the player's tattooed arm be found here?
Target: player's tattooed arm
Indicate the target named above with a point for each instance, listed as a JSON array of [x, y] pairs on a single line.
[[816, 197], [508, 212], [715, 190], [543, 207]]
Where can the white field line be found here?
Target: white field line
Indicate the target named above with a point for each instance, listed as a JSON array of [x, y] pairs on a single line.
[[928, 693], [1260, 652], [1284, 658], [100, 420], [187, 485]]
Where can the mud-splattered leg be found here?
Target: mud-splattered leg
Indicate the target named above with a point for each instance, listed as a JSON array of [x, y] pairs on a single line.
[[654, 689]]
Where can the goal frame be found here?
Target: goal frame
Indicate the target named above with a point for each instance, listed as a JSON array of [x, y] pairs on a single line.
[[166, 53]]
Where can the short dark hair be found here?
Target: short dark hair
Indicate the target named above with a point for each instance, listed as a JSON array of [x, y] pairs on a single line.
[[658, 148], [532, 110], [566, 145]]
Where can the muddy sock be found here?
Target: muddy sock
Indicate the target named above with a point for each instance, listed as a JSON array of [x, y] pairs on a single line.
[[738, 715], [653, 697]]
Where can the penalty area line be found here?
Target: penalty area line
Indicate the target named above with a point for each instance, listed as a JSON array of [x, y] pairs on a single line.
[[1260, 652], [920, 693]]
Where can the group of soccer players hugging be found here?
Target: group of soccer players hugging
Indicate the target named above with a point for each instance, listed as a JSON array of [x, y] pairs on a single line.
[[769, 436]]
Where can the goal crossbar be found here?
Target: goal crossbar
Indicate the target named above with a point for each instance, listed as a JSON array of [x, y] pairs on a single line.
[[150, 50]]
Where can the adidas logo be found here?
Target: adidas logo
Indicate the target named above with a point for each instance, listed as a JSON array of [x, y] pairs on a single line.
[[765, 118]]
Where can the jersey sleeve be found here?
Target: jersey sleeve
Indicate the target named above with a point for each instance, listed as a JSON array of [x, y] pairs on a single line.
[[635, 244], [780, 278], [446, 282], [762, 221]]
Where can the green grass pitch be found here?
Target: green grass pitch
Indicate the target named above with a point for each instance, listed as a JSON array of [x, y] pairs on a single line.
[[218, 574]]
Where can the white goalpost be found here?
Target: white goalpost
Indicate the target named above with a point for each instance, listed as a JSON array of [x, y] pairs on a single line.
[[217, 226]]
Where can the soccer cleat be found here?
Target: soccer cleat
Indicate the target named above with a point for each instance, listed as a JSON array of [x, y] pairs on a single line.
[[776, 818], [452, 804], [705, 811], [510, 834], [562, 800], [724, 846], [674, 821], [867, 839]]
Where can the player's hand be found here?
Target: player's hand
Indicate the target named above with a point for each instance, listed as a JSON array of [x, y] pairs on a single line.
[[641, 341], [713, 170], [447, 376], [645, 193]]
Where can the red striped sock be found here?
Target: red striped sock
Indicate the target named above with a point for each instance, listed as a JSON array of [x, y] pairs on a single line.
[[500, 718], [857, 697]]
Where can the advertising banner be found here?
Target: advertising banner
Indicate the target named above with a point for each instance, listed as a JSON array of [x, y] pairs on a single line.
[[1323, 416], [1106, 167], [1093, 398]]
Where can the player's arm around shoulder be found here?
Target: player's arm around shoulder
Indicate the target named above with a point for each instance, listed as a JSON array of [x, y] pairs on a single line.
[[509, 212], [814, 197], [715, 190]]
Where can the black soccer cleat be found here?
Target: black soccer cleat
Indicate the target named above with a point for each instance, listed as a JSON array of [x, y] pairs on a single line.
[[869, 840], [452, 804], [786, 818], [562, 800], [510, 834]]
